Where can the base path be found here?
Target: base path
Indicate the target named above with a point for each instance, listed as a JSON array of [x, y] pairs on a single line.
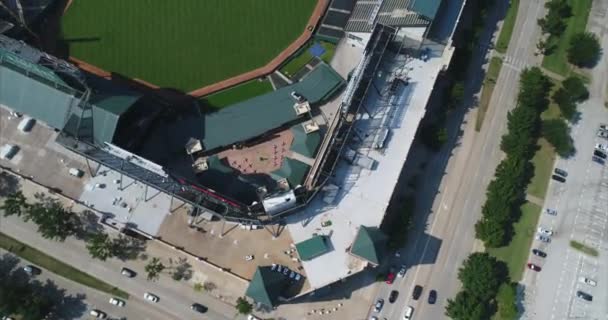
[[274, 63]]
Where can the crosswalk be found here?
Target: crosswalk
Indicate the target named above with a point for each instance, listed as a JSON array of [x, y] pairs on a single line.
[[517, 64]]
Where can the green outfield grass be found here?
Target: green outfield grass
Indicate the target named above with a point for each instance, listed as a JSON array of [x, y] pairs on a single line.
[[557, 61], [239, 93], [183, 44]]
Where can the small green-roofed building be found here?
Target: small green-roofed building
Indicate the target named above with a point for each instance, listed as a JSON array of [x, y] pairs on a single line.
[[292, 170], [304, 143], [313, 247], [266, 286], [369, 244]]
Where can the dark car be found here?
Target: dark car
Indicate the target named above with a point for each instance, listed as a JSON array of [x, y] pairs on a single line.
[[533, 267], [417, 292], [561, 172], [198, 307], [393, 296], [598, 160], [128, 272], [558, 178], [584, 296], [32, 270], [538, 253], [432, 297], [600, 154]]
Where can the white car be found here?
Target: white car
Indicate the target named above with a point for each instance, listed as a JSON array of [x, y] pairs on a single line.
[[117, 302], [588, 281], [150, 297], [601, 147], [409, 311], [543, 238], [252, 317], [401, 272], [98, 314], [544, 231]]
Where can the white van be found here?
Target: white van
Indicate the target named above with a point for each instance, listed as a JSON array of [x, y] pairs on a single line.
[[408, 313]]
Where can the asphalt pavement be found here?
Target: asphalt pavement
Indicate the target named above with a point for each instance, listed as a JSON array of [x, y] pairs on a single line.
[[442, 240], [175, 297], [582, 212]]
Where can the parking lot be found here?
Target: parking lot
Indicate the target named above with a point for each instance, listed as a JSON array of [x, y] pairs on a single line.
[[581, 203], [39, 157]]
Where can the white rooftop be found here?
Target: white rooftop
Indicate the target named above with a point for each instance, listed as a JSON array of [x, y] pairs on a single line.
[[364, 194]]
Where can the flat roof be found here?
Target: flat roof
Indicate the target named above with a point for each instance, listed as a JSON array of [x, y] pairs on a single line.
[[364, 194]]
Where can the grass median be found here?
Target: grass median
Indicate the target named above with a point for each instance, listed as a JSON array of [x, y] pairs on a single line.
[[516, 253], [55, 266], [584, 248], [508, 25], [487, 90]]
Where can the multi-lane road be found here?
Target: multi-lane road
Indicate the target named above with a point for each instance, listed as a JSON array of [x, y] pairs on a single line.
[[582, 206], [442, 239]]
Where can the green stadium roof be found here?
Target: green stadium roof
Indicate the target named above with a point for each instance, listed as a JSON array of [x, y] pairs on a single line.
[[369, 244], [313, 247], [427, 8], [303, 143], [266, 286], [253, 117], [292, 170]]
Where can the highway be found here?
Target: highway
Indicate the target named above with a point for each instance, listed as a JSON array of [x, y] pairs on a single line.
[[441, 240], [582, 206], [175, 297]]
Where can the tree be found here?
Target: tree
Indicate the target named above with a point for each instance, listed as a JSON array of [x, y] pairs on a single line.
[[466, 307], [507, 301], [457, 94], [584, 49], [100, 246], [565, 103], [481, 275], [154, 268], [575, 87], [54, 222], [557, 132], [14, 204], [243, 306], [491, 232]]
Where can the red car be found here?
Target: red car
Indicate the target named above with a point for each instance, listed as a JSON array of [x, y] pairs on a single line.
[[533, 267], [390, 277]]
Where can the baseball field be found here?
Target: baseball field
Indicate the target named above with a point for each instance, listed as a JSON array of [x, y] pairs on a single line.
[[184, 44]]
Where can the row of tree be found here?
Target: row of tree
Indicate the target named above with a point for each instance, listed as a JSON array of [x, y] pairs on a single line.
[[506, 191], [482, 277]]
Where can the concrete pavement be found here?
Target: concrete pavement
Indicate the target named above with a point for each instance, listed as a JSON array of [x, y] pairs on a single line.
[[582, 206], [444, 238]]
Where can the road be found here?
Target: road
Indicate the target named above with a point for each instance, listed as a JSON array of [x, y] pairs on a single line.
[[443, 239], [582, 206], [81, 299], [175, 297]]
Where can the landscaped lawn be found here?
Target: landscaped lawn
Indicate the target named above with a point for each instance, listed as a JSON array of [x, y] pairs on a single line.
[[239, 93], [304, 56], [543, 166], [507, 27], [515, 255], [557, 61], [47, 262], [185, 44], [486, 91]]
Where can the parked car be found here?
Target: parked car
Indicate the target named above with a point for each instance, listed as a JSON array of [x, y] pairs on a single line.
[[598, 160], [285, 271], [298, 97], [602, 133], [558, 178], [552, 212], [390, 278], [585, 296], [198, 307], [409, 311], [587, 281], [600, 154], [539, 253], [98, 314], [533, 267], [379, 304], [545, 231], [393, 296], [280, 268], [543, 238], [402, 271], [274, 267], [26, 124], [8, 151], [32, 270], [117, 302], [150, 297], [432, 297], [561, 172], [603, 127], [128, 272], [601, 147], [417, 292]]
